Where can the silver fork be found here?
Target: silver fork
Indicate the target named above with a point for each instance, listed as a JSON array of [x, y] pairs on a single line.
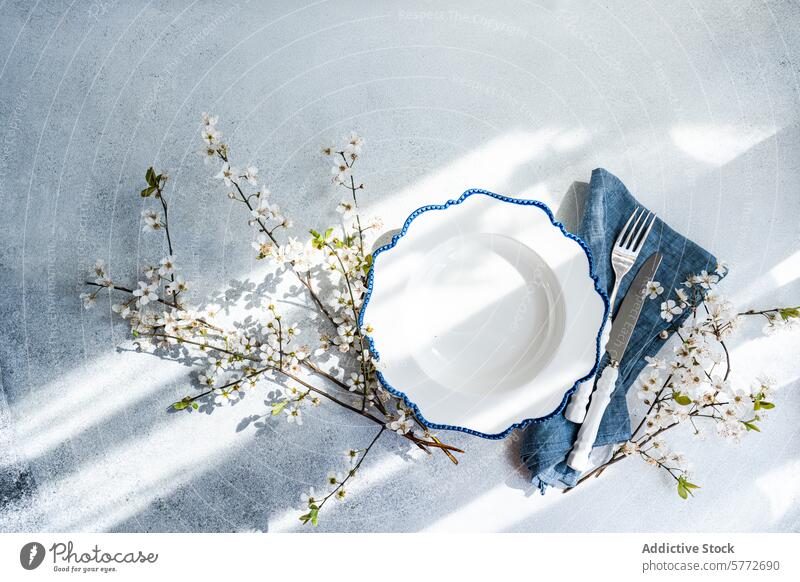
[[624, 253]]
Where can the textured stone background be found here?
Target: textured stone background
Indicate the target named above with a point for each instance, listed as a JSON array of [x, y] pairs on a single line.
[[693, 105]]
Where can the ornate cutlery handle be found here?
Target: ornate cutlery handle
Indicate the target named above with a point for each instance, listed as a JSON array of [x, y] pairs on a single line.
[[578, 458], [576, 409]]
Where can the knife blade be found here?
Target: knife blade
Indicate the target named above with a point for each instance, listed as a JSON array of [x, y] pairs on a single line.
[[628, 313], [621, 330]]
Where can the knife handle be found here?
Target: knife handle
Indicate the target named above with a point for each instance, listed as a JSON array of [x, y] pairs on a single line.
[[576, 409], [578, 458]]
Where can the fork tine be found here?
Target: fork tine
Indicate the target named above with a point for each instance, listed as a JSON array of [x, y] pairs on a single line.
[[631, 236], [640, 242], [638, 232], [624, 232]]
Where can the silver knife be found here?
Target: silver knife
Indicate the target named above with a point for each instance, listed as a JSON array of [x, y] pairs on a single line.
[[621, 331]]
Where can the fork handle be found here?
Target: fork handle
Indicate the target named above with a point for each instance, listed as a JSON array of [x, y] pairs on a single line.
[[578, 458], [576, 409]]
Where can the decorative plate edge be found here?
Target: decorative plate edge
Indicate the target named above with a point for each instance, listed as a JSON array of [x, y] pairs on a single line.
[[600, 291]]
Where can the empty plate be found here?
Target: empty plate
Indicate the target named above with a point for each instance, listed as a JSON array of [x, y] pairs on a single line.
[[485, 316]]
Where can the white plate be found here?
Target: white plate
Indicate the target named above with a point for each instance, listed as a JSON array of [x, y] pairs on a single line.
[[485, 316]]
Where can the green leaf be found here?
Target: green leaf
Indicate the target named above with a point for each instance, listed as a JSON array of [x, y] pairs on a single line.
[[789, 312], [180, 405], [312, 515], [685, 488], [750, 425], [150, 176], [314, 233], [328, 233], [148, 191], [681, 399], [195, 405], [278, 407]]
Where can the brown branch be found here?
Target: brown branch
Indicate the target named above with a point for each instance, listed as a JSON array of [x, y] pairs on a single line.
[[130, 291]]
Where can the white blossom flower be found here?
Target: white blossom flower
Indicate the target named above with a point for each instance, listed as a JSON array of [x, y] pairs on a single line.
[[209, 154], [706, 280], [301, 256], [646, 394], [334, 478], [765, 385], [167, 267], [713, 298], [669, 309], [730, 413], [152, 221], [341, 173], [100, 268], [650, 425], [354, 143], [210, 134], [731, 430], [209, 119], [151, 272], [346, 208], [720, 384], [88, 299], [227, 174], [682, 296], [265, 210], [653, 289], [251, 175], [650, 384], [630, 448], [401, 425], [226, 396], [355, 382], [207, 378], [345, 334], [178, 285], [722, 268], [145, 293], [656, 363], [351, 456], [709, 397], [294, 415], [264, 245], [694, 384]]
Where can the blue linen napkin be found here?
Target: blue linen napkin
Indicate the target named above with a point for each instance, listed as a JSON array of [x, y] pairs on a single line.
[[608, 206]]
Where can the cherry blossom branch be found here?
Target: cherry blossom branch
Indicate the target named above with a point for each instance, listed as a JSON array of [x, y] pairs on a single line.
[[352, 472], [116, 287], [305, 282]]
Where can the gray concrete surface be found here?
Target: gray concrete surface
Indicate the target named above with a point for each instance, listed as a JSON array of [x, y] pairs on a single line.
[[694, 105]]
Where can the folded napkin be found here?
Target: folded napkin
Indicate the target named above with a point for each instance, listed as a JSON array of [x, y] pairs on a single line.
[[546, 445]]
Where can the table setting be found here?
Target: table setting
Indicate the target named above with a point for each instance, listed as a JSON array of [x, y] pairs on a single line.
[[483, 316]]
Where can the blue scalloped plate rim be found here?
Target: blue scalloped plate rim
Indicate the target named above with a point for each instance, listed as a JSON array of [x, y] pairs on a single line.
[[600, 291]]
